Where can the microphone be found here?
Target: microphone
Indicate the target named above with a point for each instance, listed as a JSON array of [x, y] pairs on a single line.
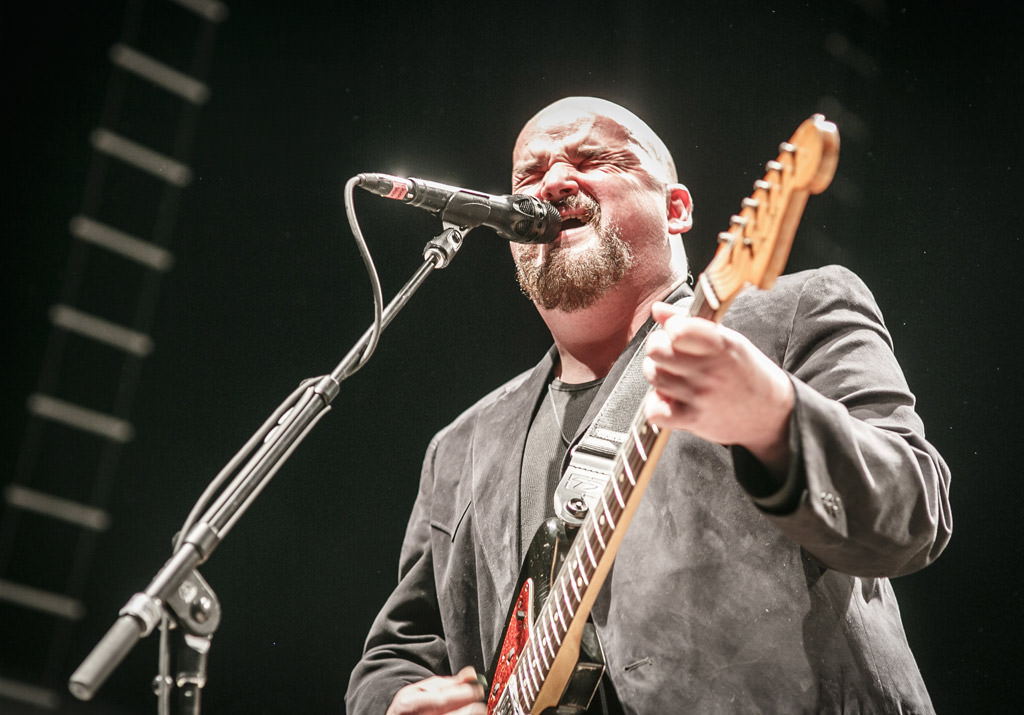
[[519, 218]]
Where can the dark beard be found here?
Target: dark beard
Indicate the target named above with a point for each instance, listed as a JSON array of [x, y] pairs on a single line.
[[570, 280]]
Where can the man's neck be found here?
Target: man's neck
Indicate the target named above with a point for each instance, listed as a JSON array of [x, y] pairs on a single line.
[[589, 341]]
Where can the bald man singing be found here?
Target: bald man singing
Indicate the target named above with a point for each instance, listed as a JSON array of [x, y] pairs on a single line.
[[795, 482]]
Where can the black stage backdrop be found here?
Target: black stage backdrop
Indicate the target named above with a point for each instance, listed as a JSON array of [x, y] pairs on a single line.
[[267, 286]]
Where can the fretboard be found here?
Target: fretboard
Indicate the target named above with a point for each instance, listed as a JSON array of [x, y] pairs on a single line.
[[587, 562]]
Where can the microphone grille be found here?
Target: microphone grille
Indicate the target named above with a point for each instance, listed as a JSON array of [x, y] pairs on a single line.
[[541, 221]]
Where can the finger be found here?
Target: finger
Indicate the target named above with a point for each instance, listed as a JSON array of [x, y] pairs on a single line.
[[456, 693], [470, 676], [672, 379], [697, 368], [667, 412], [665, 349], [468, 673], [689, 336], [435, 696], [471, 709], [663, 311]]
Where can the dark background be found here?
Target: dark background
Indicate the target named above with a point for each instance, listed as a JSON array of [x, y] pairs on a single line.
[[268, 288]]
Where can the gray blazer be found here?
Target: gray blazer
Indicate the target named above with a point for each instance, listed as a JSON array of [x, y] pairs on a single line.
[[724, 597]]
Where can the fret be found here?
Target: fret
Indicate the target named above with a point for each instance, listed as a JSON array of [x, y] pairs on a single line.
[[521, 696], [529, 681], [541, 653], [570, 591], [571, 559], [618, 496], [515, 694], [635, 466], [629, 472], [558, 612], [551, 651], [625, 486], [583, 572], [536, 674], [539, 667], [607, 513], [639, 445], [575, 590], [525, 684], [556, 635], [600, 537], [568, 606], [638, 464], [590, 553]]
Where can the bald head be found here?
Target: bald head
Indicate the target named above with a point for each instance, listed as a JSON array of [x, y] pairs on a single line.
[[571, 111], [598, 153]]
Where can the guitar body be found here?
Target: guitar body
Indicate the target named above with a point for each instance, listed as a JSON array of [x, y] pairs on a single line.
[[543, 559]]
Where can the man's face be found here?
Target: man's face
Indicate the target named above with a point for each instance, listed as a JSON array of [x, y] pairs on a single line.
[[611, 192]]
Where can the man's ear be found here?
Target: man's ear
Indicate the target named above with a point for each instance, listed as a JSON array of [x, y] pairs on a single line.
[[680, 209]]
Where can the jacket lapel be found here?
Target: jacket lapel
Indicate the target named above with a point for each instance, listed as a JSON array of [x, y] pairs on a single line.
[[497, 453]]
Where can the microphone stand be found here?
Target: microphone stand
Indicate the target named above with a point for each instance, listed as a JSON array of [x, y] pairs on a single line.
[[194, 609]]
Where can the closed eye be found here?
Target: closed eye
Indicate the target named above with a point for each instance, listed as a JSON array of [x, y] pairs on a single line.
[[524, 178]]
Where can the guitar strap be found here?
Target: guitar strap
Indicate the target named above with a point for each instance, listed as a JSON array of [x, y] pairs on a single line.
[[592, 458]]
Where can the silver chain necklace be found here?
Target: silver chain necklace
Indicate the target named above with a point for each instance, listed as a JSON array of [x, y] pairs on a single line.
[[558, 422]]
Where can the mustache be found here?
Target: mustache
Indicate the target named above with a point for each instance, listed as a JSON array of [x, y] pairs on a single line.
[[580, 202]]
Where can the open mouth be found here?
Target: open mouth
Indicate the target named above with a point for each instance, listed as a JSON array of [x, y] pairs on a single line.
[[577, 211], [572, 222]]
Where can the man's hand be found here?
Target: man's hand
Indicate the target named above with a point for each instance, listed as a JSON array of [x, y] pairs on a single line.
[[459, 694], [713, 382]]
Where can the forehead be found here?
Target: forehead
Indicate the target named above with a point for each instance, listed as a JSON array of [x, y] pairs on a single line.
[[587, 129], [555, 130]]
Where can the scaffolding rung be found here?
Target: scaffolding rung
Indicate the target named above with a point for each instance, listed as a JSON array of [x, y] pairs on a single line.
[[144, 158], [37, 599], [88, 517], [100, 234], [163, 76], [207, 9], [101, 330], [113, 428], [43, 698]]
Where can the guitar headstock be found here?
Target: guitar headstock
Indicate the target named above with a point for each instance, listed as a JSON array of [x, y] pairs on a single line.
[[756, 247]]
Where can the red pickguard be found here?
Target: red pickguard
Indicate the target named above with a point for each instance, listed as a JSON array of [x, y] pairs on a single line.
[[517, 632]]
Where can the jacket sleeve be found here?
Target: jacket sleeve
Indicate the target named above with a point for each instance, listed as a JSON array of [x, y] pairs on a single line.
[[405, 643], [866, 493]]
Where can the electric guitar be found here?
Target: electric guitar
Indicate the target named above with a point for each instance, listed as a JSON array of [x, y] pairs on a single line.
[[538, 664]]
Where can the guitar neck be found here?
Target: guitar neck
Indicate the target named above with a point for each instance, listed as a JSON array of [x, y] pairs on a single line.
[[586, 565], [705, 303]]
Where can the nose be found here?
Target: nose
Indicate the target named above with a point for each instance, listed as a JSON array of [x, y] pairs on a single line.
[[559, 182]]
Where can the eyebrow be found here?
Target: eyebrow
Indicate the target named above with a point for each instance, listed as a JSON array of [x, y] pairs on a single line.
[[541, 158]]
